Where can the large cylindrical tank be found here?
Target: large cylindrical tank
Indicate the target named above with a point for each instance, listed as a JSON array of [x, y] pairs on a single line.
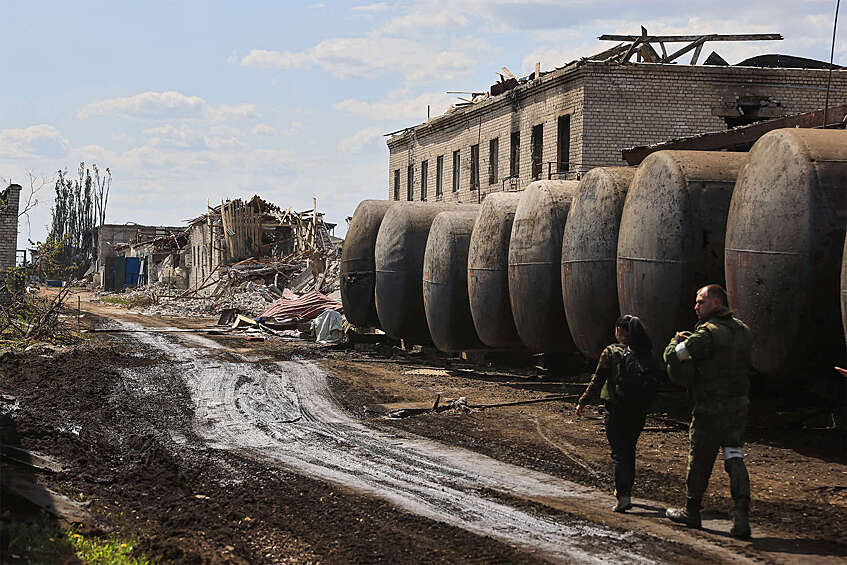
[[844, 290], [589, 253], [488, 263], [671, 238], [398, 258], [445, 281], [357, 263], [535, 266], [784, 242]]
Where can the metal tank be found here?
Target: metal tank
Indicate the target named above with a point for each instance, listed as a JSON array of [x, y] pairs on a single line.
[[488, 280], [671, 237], [357, 263], [589, 252], [535, 266], [445, 281], [784, 242], [844, 290], [398, 257]]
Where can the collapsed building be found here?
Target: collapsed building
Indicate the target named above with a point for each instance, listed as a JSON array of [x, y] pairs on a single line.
[[9, 203], [110, 267], [562, 123], [232, 243]]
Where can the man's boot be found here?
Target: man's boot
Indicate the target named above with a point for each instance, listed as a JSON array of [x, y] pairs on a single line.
[[741, 519], [623, 504], [739, 484], [690, 515]]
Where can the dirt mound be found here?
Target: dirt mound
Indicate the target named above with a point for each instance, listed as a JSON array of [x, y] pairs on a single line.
[[129, 447]]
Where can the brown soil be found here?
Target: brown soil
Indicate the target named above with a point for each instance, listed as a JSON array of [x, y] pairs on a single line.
[[799, 476], [202, 506], [187, 502]]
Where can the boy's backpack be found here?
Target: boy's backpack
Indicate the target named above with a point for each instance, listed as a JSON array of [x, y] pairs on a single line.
[[637, 380]]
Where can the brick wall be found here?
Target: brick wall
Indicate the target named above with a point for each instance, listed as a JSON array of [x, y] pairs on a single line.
[[9, 202], [612, 107], [497, 118], [641, 104]]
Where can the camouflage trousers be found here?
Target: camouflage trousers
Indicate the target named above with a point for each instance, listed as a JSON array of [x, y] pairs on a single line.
[[707, 434]]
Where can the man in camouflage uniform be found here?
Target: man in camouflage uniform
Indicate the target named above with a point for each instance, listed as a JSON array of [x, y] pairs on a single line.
[[713, 364]]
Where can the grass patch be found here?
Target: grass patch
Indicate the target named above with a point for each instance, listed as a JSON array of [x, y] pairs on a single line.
[[44, 541], [127, 301], [112, 551]]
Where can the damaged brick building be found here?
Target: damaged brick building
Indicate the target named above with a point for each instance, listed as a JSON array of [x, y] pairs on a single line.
[[567, 121], [9, 202]]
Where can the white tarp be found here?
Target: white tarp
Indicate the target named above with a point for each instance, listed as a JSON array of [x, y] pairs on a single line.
[[328, 327]]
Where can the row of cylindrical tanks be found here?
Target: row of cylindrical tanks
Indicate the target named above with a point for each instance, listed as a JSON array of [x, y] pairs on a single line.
[[550, 269]]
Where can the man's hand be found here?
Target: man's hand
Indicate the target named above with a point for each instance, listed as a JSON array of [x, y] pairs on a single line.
[[579, 408], [682, 335], [842, 371]]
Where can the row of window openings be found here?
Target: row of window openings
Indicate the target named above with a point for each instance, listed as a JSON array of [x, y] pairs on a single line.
[[537, 146]]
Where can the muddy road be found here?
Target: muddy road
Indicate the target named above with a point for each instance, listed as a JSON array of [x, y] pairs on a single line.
[[212, 452], [283, 413]]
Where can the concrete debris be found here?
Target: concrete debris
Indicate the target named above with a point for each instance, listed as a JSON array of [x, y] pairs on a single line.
[[250, 288]]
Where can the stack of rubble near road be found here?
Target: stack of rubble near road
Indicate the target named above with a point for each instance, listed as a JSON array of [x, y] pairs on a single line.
[[238, 255]]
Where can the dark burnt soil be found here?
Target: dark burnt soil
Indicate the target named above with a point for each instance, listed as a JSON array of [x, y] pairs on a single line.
[[190, 504], [799, 476]]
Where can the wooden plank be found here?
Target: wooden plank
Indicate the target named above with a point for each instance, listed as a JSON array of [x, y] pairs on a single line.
[[30, 458], [687, 38], [631, 49], [696, 54], [59, 505], [687, 48]]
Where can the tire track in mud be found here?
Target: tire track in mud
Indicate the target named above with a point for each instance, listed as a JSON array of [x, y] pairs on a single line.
[[282, 413]]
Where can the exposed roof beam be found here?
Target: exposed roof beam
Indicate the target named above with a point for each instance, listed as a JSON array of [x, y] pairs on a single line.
[[687, 38]]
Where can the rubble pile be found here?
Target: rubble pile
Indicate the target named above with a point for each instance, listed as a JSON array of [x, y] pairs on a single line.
[[249, 286]]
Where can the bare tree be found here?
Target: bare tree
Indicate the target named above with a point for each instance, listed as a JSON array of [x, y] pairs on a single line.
[[29, 196], [102, 184]]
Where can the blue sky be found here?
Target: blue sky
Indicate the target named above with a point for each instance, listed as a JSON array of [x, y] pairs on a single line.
[[194, 101]]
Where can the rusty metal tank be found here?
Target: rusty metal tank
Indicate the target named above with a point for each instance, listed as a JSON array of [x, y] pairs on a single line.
[[357, 263], [671, 237], [589, 253], [445, 281], [398, 258], [784, 242], [488, 263], [844, 290], [535, 266]]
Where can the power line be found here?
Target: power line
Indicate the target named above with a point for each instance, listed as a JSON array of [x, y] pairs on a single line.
[[831, 59]]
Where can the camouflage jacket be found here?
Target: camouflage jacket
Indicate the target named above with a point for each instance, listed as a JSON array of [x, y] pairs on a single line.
[[608, 369], [713, 363]]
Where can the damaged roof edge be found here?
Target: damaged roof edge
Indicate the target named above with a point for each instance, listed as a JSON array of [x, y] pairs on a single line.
[[550, 79], [464, 112]]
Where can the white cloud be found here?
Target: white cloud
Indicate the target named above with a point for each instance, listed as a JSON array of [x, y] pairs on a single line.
[[149, 105], [169, 105], [366, 57], [238, 111], [425, 20], [264, 130], [39, 140], [358, 140], [396, 109], [375, 7]]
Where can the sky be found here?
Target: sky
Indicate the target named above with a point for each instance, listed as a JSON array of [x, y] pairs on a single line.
[[195, 102]]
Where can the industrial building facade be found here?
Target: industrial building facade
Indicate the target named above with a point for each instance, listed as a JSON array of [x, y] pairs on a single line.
[[581, 116], [9, 203]]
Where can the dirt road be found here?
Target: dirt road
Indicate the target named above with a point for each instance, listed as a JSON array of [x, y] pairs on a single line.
[[219, 411]]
